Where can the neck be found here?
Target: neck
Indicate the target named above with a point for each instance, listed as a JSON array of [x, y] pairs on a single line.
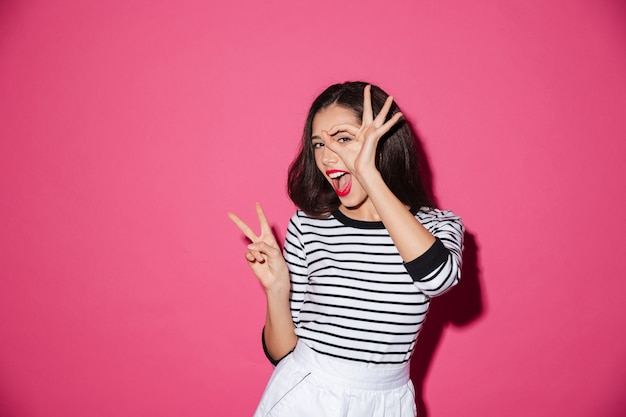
[[363, 212]]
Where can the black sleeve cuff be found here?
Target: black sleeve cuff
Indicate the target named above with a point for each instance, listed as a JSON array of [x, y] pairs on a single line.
[[426, 263]]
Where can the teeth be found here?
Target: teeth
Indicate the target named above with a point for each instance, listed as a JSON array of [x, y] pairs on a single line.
[[336, 175]]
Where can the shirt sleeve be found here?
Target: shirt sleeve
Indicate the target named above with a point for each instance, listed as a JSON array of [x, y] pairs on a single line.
[[296, 261], [293, 252], [439, 268]]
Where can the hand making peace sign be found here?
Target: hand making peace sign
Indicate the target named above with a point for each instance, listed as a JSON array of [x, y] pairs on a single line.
[[264, 255], [359, 154]]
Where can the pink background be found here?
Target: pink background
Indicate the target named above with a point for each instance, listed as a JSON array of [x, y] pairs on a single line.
[[129, 128]]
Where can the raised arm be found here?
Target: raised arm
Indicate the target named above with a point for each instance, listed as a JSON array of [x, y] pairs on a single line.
[[266, 261], [409, 236]]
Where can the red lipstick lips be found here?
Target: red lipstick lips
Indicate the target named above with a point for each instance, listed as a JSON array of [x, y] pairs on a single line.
[[341, 180]]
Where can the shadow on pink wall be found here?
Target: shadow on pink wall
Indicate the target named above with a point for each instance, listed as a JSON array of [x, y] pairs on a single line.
[[460, 307]]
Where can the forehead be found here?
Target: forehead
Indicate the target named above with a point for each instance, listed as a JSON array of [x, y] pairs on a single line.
[[331, 116]]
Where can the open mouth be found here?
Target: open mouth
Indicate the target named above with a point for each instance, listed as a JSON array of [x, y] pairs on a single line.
[[341, 180]]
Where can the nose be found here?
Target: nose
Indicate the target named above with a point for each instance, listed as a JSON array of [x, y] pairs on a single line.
[[328, 157]]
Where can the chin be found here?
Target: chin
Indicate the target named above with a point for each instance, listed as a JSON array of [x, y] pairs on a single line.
[[350, 204]]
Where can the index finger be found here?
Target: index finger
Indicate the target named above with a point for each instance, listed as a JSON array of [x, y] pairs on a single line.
[[265, 224], [343, 127], [243, 227]]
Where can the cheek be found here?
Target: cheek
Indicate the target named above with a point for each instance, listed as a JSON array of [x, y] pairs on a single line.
[[318, 159]]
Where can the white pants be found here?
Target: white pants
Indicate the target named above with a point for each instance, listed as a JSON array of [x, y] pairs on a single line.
[[308, 384]]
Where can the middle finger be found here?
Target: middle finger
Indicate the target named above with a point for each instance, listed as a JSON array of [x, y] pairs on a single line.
[[368, 114], [243, 227]]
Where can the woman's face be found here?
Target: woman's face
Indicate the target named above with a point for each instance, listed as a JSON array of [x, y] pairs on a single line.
[[350, 192]]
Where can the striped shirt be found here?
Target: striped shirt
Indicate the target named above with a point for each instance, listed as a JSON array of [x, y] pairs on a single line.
[[353, 297]]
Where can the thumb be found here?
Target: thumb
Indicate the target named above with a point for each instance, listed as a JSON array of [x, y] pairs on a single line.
[[330, 143], [265, 248]]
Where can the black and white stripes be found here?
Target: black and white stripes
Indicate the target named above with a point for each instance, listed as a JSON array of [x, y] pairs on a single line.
[[353, 297]]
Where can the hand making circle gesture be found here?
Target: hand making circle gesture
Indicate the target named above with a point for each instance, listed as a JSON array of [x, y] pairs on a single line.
[[359, 154], [264, 255]]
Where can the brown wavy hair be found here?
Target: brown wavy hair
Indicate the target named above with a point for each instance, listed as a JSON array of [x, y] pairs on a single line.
[[396, 155]]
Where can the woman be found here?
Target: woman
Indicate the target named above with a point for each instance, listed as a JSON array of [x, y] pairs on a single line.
[[363, 255]]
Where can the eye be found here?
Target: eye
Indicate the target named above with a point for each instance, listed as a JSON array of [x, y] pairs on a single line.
[[343, 139], [316, 145]]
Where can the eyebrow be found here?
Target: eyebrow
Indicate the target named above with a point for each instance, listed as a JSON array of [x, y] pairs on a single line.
[[320, 138]]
